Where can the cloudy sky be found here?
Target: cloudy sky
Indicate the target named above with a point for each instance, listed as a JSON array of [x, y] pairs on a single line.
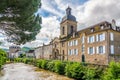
[[87, 12]]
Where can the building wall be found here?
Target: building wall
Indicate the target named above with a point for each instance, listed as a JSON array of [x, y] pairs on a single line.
[[47, 51], [13, 51], [38, 52], [114, 40], [96, 57], [73, 50], [56, 49], [43, 52]]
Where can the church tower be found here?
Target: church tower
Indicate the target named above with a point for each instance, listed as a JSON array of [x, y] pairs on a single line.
[[68, 24]]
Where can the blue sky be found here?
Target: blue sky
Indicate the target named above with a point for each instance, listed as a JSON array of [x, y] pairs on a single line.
[[87, 13]]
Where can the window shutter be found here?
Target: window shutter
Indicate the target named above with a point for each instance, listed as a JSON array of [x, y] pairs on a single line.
[[72, 51], [111, 36], [103, 49], [103, 36], [77, 51], [77, 42], [83, 39], [93, 39], [88, 39], [68, 52], [88, 51], [93, 50], [97, 50], [71, 43], [97, 37]]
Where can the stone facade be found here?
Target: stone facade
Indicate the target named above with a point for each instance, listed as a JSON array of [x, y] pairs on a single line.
[[44, 52], [97, 44], [13, 50], [31, 54]]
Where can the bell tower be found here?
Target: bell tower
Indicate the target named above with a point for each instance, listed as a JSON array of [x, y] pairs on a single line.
[[68, 24]]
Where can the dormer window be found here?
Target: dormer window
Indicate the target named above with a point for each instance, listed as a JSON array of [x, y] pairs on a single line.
[[92, 29], [101, 27]]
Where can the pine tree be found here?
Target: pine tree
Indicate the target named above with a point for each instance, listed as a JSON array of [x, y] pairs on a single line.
[[19, 20]]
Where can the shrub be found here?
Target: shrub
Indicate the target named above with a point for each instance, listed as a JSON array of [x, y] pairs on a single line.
[[44, 64], [59, 67], [75, 70], [50, 66], [113, 72], [39, 62], [93, 73], [89, 74]]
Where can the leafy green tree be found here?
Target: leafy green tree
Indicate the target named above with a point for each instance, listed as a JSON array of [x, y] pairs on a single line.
[[19, 20]]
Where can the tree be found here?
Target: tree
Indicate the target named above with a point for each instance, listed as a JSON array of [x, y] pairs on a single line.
[[18, 19]]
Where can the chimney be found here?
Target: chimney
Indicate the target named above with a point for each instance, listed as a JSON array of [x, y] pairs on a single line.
[[113, 24]]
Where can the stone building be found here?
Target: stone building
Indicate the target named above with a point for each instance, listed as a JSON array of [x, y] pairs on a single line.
[[44, 52], [13, 51], [55, 49], [97, 44], [31, 54]]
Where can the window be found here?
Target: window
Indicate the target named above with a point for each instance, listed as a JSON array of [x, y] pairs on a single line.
[[83, 48], [63, 44], [75, 51], [63, 30], [100, 49], [91, 50], [75, 42], [112, 49], [100, 37], [83, 39], [69, 43], [111, 36], [69, 52], [91, 39]]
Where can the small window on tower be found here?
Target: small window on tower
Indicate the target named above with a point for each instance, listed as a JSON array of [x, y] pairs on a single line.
[[63, 30], [72, 29]]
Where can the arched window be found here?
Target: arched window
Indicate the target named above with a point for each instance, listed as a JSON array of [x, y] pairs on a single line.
[[72, 29], [63, 30]]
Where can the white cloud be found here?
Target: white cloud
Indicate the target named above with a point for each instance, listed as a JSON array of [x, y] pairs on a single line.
[[49, 5], [49, 30], [87, 14], [95, 11]]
